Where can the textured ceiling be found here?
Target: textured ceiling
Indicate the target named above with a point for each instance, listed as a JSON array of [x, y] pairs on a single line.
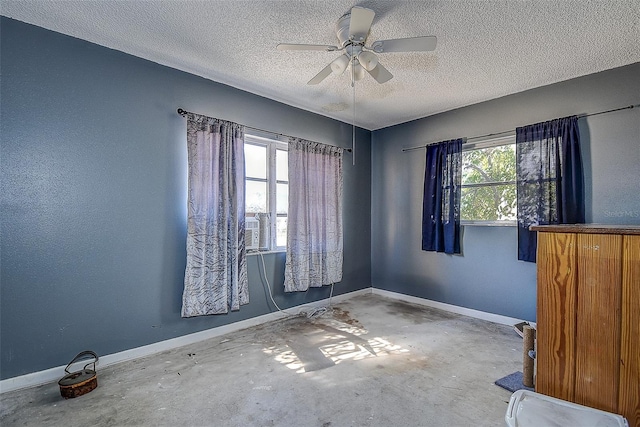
[[486, 49]]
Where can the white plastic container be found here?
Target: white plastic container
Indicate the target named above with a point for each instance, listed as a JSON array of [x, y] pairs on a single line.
[[529, 409]]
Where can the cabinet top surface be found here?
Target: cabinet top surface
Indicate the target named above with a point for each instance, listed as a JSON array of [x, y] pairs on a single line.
[[588, 228]]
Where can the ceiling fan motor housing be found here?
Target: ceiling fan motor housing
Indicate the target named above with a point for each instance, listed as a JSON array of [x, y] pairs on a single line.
[[353, 48], [342, 31]]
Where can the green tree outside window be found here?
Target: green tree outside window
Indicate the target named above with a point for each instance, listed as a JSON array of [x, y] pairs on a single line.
[[488, 184]]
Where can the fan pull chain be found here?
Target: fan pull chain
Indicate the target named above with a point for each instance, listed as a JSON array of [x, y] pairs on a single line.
[[353, 119]]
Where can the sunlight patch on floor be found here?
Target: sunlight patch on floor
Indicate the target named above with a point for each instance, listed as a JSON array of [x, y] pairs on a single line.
[[325, 345]]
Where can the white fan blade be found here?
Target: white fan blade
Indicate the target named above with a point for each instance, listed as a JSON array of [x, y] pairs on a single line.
[[326, 71], [321, 47], [360, 23], [412, 44], [381, 74]]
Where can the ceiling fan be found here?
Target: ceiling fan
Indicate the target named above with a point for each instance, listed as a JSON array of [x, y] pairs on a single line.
[[352, 30]]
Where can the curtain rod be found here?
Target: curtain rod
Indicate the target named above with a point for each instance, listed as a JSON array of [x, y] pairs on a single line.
[[507, 132], [184, 112]]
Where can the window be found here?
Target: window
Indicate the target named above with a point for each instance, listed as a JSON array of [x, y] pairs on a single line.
[[488, 195], [267, 189]]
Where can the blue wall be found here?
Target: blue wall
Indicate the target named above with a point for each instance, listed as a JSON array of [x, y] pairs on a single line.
[[93, 213], [487, 276]]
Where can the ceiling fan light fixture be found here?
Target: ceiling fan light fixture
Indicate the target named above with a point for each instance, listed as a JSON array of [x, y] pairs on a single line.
[[368, 60], [340, 64]]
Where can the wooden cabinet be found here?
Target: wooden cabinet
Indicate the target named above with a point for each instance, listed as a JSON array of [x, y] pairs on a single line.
[[588, 316]]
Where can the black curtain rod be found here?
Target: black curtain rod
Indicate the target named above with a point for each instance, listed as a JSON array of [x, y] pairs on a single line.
[[184, 112], [507, 132]]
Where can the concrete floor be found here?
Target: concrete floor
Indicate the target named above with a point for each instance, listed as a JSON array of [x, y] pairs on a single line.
[[372, 362]]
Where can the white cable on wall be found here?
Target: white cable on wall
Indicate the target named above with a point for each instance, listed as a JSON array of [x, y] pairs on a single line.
[[316, 312]]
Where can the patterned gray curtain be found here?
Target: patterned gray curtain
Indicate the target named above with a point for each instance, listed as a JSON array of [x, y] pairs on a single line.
[[215, 279], [314, 224]]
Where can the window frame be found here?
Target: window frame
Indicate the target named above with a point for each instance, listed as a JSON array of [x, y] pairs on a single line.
[[509, 139], [272, 145]]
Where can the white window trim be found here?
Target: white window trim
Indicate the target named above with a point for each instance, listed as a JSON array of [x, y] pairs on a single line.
[[272, 143], [479, 145], [476, 223], [490, 142]]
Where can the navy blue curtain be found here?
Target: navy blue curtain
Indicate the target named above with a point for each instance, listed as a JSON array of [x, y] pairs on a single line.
[[441, 200], [549, 178]]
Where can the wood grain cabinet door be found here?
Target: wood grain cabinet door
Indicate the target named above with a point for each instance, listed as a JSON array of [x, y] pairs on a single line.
[[629, 396], [556, 301], [598, 317]]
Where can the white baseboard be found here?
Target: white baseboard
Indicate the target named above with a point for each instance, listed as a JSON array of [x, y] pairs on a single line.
[[54, 374], [482, 315]]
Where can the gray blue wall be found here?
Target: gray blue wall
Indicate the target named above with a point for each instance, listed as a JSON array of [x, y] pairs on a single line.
[[487, 276], [93, 213]]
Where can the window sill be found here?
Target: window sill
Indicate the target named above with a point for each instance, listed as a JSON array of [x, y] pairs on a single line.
[[490, 223], [272, 251]]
